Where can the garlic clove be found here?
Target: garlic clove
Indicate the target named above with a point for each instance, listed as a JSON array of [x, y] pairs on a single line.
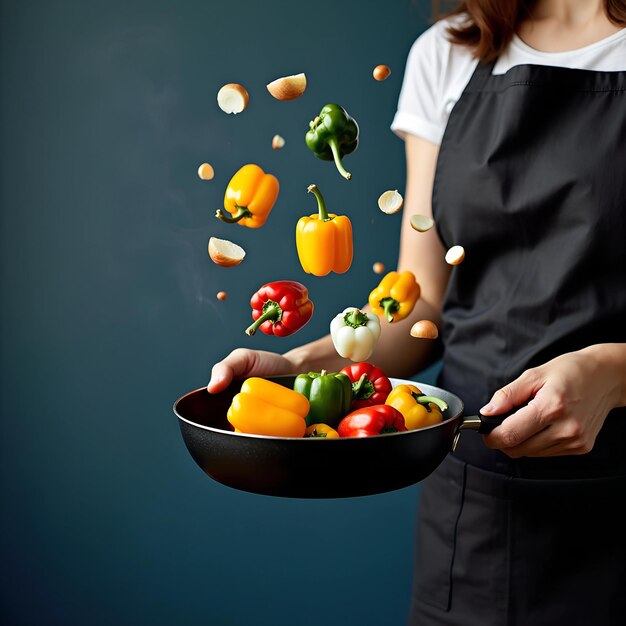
[[277, 142], [206, 172]]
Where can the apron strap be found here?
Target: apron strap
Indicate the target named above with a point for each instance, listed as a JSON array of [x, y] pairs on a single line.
[[480, 76]]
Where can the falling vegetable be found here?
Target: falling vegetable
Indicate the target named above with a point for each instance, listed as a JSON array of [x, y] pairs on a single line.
[[332, 135], [329, 396], [280, 308], [390, 202], [324, 240], [381, 72], [418, 409], [455, 255], [354, 333], [369, 384], [424, 329], [221, 296], [288, 87], [264, 407], [206, 172], [232, 98], [395, 296], [378, 267], [277, 142], [225, 253], [250, 196], [422, 223], [378, 419]]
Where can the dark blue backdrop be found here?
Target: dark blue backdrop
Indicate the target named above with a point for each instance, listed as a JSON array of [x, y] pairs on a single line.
[[109, 311]]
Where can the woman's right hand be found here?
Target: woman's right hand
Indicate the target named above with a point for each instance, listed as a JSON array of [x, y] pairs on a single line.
[[242, 362]]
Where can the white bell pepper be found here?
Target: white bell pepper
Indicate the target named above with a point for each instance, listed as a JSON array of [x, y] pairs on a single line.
[[355, 333]]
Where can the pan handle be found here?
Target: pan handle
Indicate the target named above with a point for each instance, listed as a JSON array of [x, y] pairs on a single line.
[[484, 424]]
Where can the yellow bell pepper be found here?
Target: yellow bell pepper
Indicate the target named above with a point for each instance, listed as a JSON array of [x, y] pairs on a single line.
[[263, 407], [249, 197], [321, 431], [417, 409], [395, 296], [324, 240]]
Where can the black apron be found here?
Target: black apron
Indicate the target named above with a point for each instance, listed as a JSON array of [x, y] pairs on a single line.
[[531, 180]]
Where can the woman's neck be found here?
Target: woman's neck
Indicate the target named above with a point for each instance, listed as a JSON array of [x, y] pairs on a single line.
[[560, 25]]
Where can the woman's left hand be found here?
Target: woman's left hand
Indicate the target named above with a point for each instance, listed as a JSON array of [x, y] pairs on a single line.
[[566, 401]]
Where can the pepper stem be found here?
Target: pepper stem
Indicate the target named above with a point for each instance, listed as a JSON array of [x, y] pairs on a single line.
[[355, 318], [322, 213], [242, 212], [390, 306], [438, 401], [271, 311], [332, 142], [363, 389]]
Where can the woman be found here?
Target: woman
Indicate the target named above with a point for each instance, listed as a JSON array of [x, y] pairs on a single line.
[[514, 118]]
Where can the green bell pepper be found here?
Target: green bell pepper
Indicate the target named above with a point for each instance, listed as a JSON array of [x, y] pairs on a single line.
[[329, 395], [333, 134]]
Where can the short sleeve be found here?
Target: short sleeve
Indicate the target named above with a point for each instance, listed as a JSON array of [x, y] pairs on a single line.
[[421, 108]]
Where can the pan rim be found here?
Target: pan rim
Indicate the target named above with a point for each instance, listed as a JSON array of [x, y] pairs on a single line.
[[394, 381]]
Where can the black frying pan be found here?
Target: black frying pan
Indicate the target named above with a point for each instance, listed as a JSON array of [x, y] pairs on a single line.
[[317, 468]]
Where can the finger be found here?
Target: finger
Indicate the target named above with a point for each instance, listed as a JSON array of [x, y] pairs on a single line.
[[517, 428], [236, 364], [514, 394], [545, 444]]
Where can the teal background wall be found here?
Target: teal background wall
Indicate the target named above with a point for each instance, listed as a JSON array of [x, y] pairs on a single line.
[[109, 311]]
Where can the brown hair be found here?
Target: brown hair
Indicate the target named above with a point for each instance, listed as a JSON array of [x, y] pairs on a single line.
[[491, 24]]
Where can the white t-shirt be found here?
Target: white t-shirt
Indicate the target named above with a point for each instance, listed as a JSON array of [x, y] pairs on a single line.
[[438, 71]]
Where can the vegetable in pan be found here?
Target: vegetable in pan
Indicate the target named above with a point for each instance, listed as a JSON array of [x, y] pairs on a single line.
[[263, 407], [329, 396], [419, 410], [321, 431], [377, 419], [369, 384]]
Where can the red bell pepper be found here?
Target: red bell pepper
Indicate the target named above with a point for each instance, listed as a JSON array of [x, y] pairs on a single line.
[[377, 419], [280, 308], [369, 384]]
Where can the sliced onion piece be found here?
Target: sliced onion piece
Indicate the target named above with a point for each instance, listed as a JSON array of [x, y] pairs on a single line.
[[424, 329], [390, 201], [455, 255], [232, 98], [422, 223], [225, 253], [288, 87]]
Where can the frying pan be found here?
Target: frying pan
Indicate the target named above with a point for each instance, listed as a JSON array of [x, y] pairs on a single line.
[[314, 467]]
